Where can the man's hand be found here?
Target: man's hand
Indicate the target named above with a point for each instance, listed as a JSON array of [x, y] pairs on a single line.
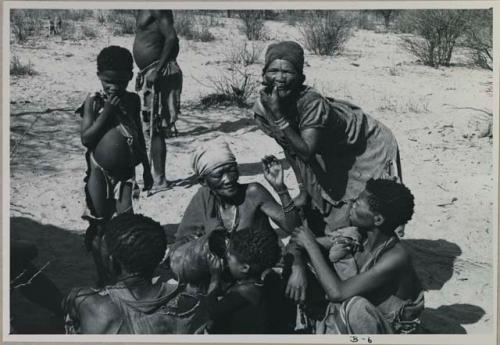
[[303, 236], [215, 265], [271, 102], [148, 180], [339, 250], [297, 284], [273, 172], [152, 77]]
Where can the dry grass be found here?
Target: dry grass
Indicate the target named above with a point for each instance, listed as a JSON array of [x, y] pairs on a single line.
[[18, 68], [410, 105], [235, 86], [246, 53]]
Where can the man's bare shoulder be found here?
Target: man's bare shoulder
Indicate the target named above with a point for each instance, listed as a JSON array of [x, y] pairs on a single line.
[[396, 258]]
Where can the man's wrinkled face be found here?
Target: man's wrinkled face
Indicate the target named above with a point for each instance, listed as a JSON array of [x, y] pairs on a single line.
[[224, 180], [284, 75], [114, 83]]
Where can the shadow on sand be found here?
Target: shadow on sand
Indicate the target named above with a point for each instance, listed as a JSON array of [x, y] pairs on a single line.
[[69, 266], [434, 261]]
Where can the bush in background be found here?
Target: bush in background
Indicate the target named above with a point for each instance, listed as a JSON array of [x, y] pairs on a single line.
[[479, 38], [234, 87], [88, 31], [69, 31], [365, 20], [435, 34], [325, 32], [25, 23], [387, 15], [245, 54], [193, 27], [17, 68], [253, 24], [123, 21]]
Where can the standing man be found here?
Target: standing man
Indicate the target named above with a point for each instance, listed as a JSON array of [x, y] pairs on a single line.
[[159, 83]]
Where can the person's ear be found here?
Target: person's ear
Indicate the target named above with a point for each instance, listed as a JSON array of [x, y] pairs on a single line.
[[244, 268], [378, 220]]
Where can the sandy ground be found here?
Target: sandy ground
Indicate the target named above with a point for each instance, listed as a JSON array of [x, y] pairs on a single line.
[[436, 114]]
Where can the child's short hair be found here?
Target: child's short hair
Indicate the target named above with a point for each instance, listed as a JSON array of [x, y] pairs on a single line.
[[255, 247], [392, 200], [137, 242], [115, 58]]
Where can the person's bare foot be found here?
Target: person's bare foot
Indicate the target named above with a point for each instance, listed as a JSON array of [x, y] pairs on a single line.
[[160, 186]]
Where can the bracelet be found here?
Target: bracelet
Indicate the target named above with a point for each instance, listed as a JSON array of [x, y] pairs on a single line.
[[282, 123], [289, 207], [282, 192]]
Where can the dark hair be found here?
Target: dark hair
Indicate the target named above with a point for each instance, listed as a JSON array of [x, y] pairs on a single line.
[[392, 200], [137, 242], [115, 58], [257, 248]]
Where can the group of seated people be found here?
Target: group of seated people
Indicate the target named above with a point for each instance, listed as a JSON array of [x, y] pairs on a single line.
[[331, 264], [230, 268]]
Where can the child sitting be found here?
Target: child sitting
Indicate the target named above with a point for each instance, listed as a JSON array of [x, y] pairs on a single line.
[[245, 306], [132, 248], [112, 132]]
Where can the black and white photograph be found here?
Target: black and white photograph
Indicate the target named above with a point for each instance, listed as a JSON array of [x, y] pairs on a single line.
[[308, 171]]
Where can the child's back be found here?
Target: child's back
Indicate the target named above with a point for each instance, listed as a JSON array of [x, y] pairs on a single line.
[[242, 310]]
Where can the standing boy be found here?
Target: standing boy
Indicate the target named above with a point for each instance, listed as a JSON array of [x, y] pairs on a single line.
[[112, 132]]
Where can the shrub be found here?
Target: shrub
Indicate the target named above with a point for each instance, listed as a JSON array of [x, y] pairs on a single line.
[[88, 31], [387, 15], [101, 16], [69, 31], [25, 23], [325, 32], [436, 33], [202, 34], [124, 24], [214, 21], [365, 20], [479, 38], [77, 15], [253, 24], [245, 54], [17, 68], [184, 25], [234, 87]]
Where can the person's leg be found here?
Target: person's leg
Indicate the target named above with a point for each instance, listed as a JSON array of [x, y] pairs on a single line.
[[124, 199], [158, 144], [158, 157], [101, 208], [364, 318]]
